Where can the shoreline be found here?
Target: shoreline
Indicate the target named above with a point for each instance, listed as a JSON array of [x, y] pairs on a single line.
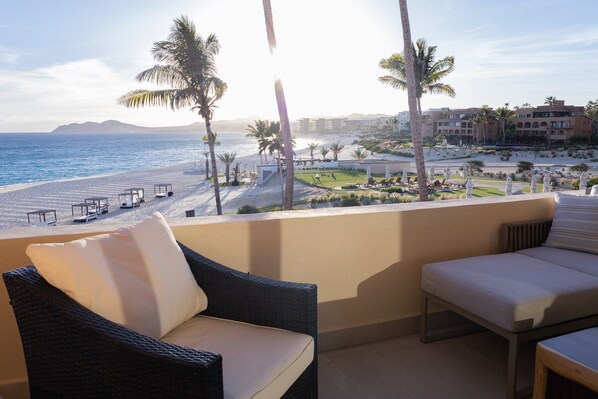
[[193, 192]]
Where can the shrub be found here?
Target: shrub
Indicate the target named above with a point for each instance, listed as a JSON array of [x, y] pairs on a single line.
[[350, 200], [390, 190], [245, 209], [349, 187]]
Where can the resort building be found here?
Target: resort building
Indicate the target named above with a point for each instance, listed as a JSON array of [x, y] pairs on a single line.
[[320, 125], [556, 123], [458, 127], [304, 125]]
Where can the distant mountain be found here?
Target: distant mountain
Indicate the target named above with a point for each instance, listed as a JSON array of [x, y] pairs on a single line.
[[225, 126], [112, 126]]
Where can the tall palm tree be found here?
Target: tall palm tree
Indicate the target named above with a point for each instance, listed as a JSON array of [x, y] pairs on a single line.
[[260, 130], [324, 151], [486, 115], [336, 149], [282, 111], [227, 158], [312, 147], [186, 63], [359, 154], [412, 96], [503, 114], [477, 120], [550, 100], [428, 71]]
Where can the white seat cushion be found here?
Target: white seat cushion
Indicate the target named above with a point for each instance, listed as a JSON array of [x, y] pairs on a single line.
[[514, 291], [257, 362], [136, 277], [581, 261]]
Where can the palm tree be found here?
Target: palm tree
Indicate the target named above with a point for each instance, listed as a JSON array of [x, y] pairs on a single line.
[[478, 120], [207, 155], [186, 63], [550, 100], [282, 111], [324, 151], [503, 114], [359, 154], [428, 71], [312, 147], [412, 96], [259, 130], [487, 115], [336, 149], [227, 158]]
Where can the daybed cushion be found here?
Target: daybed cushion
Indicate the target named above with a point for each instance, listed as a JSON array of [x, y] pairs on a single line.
[[514, 291], [575, 224], [136, 276], [257, 362], [581, 261]]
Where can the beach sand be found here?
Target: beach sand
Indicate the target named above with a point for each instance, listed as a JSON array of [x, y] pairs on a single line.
[[192, 192]]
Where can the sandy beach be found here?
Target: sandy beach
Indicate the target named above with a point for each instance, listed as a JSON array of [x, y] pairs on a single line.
[[192, 192]]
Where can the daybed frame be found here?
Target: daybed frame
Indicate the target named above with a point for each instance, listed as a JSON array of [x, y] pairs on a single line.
[[517, 236], [72, 352]]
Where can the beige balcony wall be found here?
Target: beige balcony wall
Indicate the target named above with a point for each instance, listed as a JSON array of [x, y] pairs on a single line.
[[366, 261]]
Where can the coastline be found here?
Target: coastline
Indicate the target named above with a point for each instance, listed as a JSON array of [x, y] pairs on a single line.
[[192, 192]]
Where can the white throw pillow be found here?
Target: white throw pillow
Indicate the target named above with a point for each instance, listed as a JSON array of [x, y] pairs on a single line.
[[575, 224], [136, 276]]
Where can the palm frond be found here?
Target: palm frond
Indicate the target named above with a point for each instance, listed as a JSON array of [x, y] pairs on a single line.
[[141, 98]]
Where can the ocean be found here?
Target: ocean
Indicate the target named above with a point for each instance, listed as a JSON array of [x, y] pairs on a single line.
[[33, 157]]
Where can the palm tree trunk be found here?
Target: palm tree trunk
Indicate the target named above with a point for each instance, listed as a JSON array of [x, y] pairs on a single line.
[[282, 112], [227, 173], [414, 115], [211, 142]]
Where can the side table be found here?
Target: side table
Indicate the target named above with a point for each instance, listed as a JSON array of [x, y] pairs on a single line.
[[573, 356]]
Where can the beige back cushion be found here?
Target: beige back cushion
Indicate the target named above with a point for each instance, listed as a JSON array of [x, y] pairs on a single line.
[[136, 276], [575, 224]]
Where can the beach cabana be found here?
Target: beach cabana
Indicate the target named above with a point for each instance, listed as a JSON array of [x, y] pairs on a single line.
[[140, 192], [87, 212], [162, 190], [128, 200], [43, 216], [100, 203]]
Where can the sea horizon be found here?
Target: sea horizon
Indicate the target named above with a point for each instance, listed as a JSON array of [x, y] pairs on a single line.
[[42, 157]]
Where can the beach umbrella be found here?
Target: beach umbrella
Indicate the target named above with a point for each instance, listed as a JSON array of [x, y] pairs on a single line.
[[594, 190], [469, 188], [534, 185], [447, 173], [465, 171], [405, 176], [368, 172], [583, 181], [431, 174], [509, 186], [387, 172], [546, 183]]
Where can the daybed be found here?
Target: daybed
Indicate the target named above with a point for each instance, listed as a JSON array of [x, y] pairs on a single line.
[[530, 293], [257, 338]]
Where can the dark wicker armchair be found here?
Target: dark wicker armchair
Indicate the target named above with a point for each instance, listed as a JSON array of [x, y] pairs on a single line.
[[74, 353]]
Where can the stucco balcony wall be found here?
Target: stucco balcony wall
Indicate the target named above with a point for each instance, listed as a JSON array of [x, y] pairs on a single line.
[[366, 261]]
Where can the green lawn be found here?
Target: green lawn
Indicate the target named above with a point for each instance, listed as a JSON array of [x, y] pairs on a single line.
[[331, 179]]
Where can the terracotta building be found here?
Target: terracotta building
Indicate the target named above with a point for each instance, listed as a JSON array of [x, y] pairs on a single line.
[[457, 126], [557, 123]]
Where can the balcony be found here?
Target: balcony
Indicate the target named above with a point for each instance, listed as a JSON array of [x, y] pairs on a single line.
[[366, 262]]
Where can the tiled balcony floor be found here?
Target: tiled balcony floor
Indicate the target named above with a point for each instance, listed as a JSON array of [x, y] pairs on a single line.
[[469, 367]]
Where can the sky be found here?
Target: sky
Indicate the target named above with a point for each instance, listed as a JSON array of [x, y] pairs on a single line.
[[67, 61]]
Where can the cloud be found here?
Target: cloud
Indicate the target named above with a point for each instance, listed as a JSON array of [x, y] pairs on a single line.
[[8, 56], [75, 91]]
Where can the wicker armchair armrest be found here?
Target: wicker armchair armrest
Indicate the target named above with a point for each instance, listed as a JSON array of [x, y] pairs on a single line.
[[72, 352], [523, 235], [252, 299]]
